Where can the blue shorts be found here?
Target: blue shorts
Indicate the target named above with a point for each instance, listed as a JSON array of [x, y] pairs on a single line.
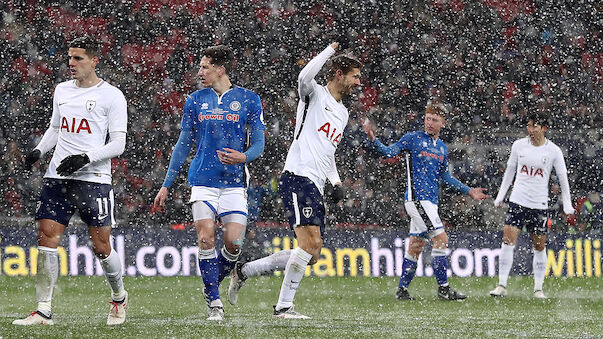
[[61, 198], [302, 201], [535, 221]]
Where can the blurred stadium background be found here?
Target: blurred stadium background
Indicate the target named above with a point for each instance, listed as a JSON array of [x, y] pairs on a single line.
[[490, 61]]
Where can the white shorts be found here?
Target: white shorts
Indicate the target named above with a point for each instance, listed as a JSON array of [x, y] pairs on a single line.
[[424, 219], [222, 201]]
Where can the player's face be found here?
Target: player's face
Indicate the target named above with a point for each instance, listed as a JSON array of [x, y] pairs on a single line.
[[209, 73], [350, 81], [433, 124], [81, 65], [536, 131]]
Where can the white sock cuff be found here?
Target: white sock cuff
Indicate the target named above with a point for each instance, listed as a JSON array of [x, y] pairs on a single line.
[[48, 249], [229, 256], [410, 257], [438, 252], [305, 256], [208, 254], [538, 252], [110, 256]]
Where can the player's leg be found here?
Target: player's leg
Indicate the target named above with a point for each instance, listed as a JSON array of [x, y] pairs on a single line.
[[266, 265], [305, 211], [511, 231], [52, 216], [539, 231], [232, 209], [307, 252], [204, 207], [96, 204], [418, 233]]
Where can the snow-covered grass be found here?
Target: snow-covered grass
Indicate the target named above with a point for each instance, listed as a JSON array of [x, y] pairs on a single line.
[[163, 307]]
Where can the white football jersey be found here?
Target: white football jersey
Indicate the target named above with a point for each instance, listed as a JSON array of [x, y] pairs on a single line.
[[84, 117], [320, 123], [533, 166]]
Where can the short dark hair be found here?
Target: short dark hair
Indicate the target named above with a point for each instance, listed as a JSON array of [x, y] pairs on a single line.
[[539, 118], [220, 56], [345, 63], [88, 43]]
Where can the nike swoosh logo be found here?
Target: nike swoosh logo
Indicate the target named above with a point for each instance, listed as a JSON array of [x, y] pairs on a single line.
[[62, 103], [102, 217], [328, 109], [295, 282]]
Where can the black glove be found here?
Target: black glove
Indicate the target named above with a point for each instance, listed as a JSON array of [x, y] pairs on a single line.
[[31, 158], [336, 194], [72, 163], [343, 41]]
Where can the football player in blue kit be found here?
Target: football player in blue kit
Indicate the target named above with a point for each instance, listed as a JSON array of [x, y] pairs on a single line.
[[217, 120], [426, 166]]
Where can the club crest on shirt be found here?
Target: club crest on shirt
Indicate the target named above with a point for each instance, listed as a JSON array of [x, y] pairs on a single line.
[[204, 105], [235, 105], [544, 160], [90, 104], [307, 211], [424, 143]]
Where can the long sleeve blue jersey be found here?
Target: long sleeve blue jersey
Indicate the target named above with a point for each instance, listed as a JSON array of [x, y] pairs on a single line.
[[213, 123], [426, 165]]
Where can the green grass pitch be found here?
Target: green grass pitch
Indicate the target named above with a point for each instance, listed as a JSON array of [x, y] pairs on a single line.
[[173, 307]]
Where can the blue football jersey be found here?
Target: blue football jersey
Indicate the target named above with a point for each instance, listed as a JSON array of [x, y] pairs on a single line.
[[219, 122], [426, 165]]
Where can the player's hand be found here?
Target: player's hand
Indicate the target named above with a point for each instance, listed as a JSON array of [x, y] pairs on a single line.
[[337, 194], [569, 211], [477, 193], [31, 158], [230, 156], [159, 203], [72, 163], [498, 203], [368, 129], [342, 42]]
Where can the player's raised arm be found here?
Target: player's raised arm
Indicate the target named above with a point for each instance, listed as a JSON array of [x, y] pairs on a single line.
[[305, 80], [387, 151]]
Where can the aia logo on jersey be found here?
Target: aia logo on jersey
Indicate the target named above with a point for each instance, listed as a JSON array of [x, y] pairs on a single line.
[[75, 126], [331, 135], [532, 171]]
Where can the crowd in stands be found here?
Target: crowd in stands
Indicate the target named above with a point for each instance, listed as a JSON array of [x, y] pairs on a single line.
[[491, 61]]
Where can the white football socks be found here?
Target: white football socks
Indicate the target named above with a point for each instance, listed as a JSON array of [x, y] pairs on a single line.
[[294, 272], [539, 267], [274, 262], [505, 262], [46, 278], [112, 267]]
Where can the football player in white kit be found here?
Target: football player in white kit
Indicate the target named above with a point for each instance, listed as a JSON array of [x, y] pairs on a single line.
[[530, 163], [85, 110], [320, 122]]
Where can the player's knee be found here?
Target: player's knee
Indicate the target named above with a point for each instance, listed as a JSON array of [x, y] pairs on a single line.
[[206, 241], [416, 247]]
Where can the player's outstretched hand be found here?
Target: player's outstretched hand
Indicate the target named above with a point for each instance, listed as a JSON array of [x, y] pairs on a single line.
[[72, 163], [368, 129], [159, 203], [31, 158], [477, 193], [230, 156], [498, 203]]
